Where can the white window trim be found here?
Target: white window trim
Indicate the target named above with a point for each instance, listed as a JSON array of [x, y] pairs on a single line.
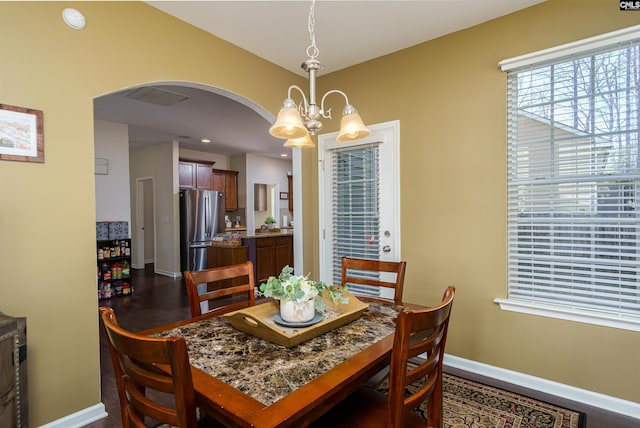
[[620, 36], [566, 313], [562, 312]]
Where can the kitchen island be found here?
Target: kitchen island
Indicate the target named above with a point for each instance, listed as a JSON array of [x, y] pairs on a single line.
[[269, 251]]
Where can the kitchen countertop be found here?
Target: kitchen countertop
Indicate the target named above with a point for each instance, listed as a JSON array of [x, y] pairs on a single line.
[[267, 234]]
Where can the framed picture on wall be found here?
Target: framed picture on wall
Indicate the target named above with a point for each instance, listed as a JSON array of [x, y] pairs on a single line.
[[284, 196], [21, 134]]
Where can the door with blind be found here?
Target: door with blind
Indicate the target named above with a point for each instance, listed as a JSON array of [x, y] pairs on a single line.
[[359, 188]]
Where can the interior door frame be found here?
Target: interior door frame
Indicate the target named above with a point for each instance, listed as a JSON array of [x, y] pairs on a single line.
[[387, 132], [138, 234]]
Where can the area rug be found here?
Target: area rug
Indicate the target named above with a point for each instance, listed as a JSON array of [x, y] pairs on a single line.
[[474, 405]]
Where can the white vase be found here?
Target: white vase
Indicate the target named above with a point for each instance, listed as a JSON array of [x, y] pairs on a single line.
[[291, 311]]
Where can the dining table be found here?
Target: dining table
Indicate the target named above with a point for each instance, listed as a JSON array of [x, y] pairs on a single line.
[[243, 380]]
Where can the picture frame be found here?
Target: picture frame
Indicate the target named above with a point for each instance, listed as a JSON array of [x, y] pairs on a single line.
[[21, 134], [284, 196]]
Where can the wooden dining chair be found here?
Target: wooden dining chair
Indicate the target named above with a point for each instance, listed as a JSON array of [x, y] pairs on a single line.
[[412, 380], [140, 383], [231, 286], [365, 272]]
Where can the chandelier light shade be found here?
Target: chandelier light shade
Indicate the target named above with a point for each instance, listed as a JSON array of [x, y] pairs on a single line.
[[300, 143], [297, 122], [351, 126], [288, 124]]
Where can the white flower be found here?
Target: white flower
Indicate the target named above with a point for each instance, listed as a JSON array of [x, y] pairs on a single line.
[[310, 292]]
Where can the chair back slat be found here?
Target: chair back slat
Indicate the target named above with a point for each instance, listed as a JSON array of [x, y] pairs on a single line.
[[418, 332], [134, 359], [225, 297], [349, 276]]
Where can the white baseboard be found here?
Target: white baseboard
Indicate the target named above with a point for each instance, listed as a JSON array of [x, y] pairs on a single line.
[[168, 273], [590, 398], [79, 419]]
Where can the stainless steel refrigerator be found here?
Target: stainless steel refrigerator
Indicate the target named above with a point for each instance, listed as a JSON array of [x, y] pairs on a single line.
[[201, 218]]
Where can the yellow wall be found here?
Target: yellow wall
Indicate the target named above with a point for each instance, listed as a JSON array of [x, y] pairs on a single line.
[[450, 99], [47, 211]]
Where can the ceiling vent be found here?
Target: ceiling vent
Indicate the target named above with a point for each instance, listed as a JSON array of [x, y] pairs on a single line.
[[153, 95]]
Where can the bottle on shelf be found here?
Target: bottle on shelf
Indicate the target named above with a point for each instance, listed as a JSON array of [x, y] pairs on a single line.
[[106, 272], [126, 269], [107, 290]]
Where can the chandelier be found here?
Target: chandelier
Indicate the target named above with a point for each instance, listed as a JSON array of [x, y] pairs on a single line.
[[296, 123]]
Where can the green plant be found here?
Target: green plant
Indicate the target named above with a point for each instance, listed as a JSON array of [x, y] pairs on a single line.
[[300, 289], [270, 220]]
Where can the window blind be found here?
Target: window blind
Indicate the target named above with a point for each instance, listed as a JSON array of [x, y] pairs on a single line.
[[573, 181], [355, 209]]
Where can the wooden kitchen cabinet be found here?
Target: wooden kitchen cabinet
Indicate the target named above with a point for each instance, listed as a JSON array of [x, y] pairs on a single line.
[[217, 180], [269, 255], [226, 256], [201, 175], [231, 189], [204, 176], [195, 175], [227, 181]]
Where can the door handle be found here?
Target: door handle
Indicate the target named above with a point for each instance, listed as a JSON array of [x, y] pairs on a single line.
[[386, 248]]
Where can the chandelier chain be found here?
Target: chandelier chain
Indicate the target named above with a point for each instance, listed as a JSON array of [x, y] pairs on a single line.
[[297, 123], [312, 50]]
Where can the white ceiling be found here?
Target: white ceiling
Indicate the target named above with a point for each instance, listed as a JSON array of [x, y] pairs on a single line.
[[347, 33]]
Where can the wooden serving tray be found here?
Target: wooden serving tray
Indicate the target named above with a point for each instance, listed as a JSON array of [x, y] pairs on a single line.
[[258, 321]]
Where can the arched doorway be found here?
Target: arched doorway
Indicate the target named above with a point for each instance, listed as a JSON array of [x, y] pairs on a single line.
[[151, 113]]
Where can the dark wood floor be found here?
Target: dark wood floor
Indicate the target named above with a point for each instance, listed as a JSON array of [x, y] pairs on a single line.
[[159, 300]]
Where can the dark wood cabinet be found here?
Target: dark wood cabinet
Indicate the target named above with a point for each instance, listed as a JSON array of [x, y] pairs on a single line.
[[201, 175], [231, 189], [265, 259], [204, 176], [227, 181], [269, 255], [227, 256], [14, 411], [187, 175], [283, 252], [218, 180], [195, 175]]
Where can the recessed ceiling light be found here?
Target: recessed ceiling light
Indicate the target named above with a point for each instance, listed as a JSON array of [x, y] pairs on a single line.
[[205, 140], [284, 155]]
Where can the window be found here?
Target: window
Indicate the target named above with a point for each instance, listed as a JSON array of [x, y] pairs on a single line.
[[356, 209], [574, 181]]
